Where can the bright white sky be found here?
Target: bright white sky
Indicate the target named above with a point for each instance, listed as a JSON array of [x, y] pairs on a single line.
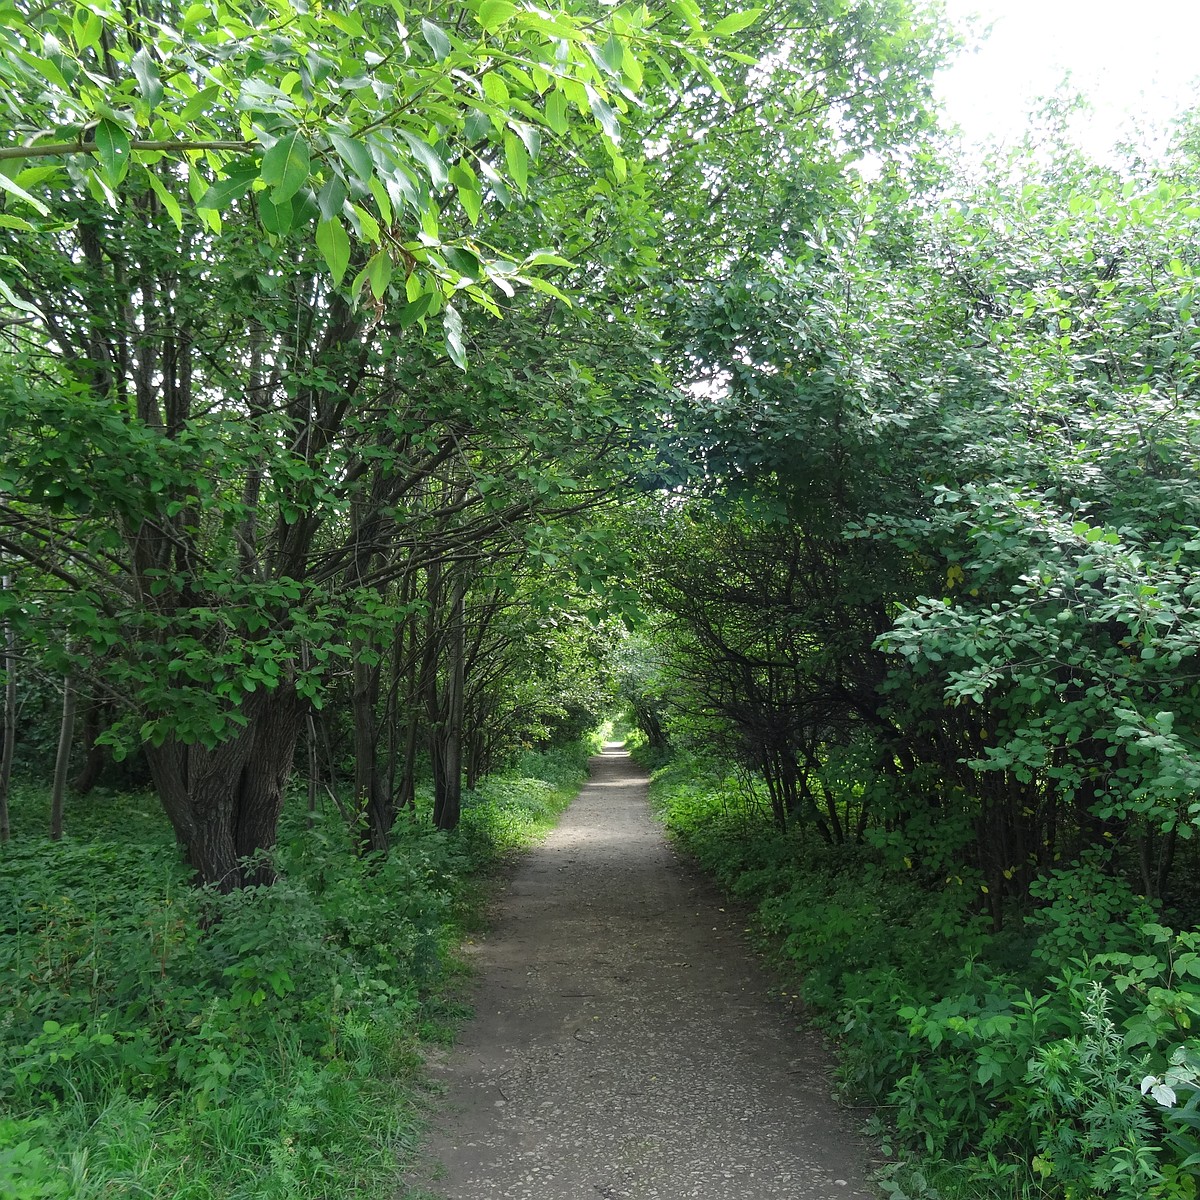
[[1128, 56]]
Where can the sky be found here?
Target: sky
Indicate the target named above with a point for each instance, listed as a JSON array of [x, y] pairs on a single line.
[[1129, 56]]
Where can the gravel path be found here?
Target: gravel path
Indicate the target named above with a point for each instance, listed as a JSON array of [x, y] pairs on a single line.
[[624, 1043]]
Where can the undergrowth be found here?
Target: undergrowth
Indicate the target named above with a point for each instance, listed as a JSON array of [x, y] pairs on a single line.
[[163, 1042], [1053, 1061]]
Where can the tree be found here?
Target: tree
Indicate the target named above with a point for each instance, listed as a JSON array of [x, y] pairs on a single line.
[[223, 454]]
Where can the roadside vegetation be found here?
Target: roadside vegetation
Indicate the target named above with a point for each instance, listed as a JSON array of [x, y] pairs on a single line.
[[164, 1041], [995, 1064]]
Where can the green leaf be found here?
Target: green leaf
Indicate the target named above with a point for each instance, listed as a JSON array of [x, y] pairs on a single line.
[[613, 54], [736, 21], [436, 39], [416, 310], [517, 158], [452, 323], [469, 194], [224, 191], [606, 118], [556, 112], [9, 186], [332, 198], [145, 69], [544, 285], [496, 90], [382, 201], [379, 273], [493, 13], [285, 167], [429, 158], [546, 258], [112, 148], [276, 218], [355, 155], [334, 245], [169, 202]]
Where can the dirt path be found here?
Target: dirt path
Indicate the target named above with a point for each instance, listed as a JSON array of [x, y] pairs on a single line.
[[624, 1043]]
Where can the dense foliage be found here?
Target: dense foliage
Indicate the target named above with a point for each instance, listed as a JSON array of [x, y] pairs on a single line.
[[170, 1042], [934, 593]]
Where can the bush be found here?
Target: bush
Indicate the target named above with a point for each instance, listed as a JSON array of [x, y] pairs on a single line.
[[1008, 1064], [267, 1039]]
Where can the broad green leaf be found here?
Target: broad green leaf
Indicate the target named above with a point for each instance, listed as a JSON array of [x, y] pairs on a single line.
[[469, 194], [354, 154], [436, 39], [546, 258], [225, 191], [493, 13], [496, 89], [8, 222], [12, 299], [517, 158], [276, 218], [200, 103], [112, 149], [556, 112], [544, 285], [382, 200], [478, 126], [145, 69], [87, 28], [169, 202], [285, 167], [689, 11], [452, 322], [736, 21], [604, 114], [334, 245], [9, 186], [332, 198], [531, 136], [415, 310], [368, 226], [429, 158], [379, 273], [613, 54]]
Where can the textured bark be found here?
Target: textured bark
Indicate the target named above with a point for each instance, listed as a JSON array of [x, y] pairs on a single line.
[[93, 763], [62, 760], [448, 736], [372, 807], [224, 803], [10, 720]]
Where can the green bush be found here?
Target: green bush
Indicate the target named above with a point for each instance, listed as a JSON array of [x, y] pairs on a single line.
[[267, 1039], [1052, 1061]]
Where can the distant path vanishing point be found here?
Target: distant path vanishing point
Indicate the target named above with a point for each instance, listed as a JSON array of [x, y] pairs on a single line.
[[624, 1043]]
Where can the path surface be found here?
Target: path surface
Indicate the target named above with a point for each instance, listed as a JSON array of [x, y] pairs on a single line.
[[624, 1043]]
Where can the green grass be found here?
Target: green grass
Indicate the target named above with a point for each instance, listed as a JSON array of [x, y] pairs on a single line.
[[166, 1043]]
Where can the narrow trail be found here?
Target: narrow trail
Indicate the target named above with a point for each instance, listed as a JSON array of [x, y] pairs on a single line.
[[624, 1043]]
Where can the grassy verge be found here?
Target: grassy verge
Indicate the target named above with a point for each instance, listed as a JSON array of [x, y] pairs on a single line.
[[1053, 1061], [161, 1042]]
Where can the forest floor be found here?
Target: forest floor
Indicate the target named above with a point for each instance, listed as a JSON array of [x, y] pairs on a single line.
[[626, 1043]]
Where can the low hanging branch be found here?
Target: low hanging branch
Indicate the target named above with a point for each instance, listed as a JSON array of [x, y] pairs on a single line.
[[79, 146]]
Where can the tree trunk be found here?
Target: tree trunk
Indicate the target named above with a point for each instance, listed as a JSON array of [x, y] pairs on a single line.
[[62, 760], [372, 808], [224, 803], [10, 718], [93, 764], [447, 805]]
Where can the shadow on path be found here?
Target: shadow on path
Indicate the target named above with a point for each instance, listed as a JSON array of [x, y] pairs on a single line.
[[624, 1043]]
